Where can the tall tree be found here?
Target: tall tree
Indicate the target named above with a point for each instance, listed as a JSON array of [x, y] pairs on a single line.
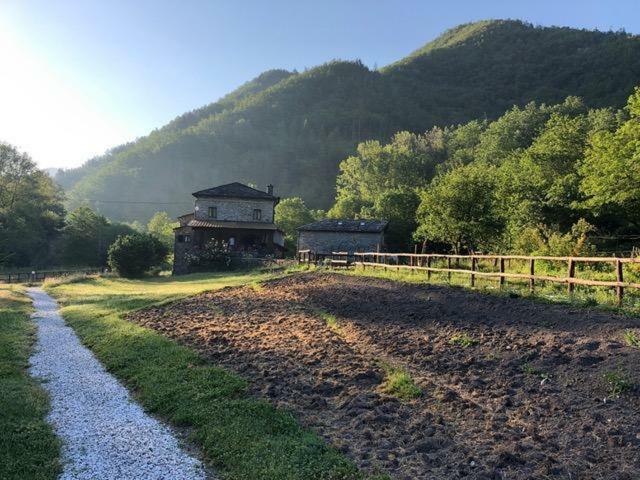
[[87, 236], [407, 162], [31, 210], [611, 169], [461, 208], [161, 226], [292, 213]]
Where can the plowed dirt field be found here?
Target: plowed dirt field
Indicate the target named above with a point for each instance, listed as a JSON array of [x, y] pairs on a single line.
[[526, 391]]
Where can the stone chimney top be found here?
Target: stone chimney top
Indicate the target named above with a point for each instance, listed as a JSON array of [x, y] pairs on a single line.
[[270, 189]]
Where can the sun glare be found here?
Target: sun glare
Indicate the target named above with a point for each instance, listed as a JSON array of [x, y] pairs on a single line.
[[43, 114]]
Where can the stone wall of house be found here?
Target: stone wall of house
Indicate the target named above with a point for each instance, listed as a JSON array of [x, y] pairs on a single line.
[[180, 249], [234, 209], [327, 242]]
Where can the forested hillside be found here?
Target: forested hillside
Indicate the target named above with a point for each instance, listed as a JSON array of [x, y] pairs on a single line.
[[293, 129], [541, 179]]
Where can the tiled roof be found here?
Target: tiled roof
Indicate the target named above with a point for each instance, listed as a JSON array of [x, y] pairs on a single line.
[[234, 190], [226, 224], [330, 225]]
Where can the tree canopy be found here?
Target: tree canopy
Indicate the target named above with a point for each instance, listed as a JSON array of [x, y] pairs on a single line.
[[35, 229], [535, 179], [611, 169], [161, 226], [31, 210], [86, 238]]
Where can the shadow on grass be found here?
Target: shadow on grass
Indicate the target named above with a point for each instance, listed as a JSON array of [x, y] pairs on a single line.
[[240, 436]]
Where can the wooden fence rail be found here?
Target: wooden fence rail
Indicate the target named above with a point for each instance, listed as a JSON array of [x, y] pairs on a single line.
[[35, 276], [424, 262], [335, 259]]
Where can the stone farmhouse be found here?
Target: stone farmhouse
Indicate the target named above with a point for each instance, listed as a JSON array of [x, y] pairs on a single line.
[[327, 236], [237, 216]]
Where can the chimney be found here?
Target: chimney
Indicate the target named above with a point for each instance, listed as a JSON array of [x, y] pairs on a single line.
[[270, 189]]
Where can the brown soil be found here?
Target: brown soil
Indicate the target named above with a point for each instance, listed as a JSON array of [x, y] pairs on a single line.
[[529, 400]]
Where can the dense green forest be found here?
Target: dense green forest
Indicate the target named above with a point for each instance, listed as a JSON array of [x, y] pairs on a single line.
[[36, 230], [293, 129], [540, 179]]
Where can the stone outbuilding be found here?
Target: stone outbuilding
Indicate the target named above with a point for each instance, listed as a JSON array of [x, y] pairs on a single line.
[[327, 236]]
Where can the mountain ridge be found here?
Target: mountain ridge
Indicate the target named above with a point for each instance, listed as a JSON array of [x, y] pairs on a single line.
[[292, 129]]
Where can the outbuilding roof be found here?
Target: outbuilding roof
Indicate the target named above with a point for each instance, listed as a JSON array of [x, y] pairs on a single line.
[[332, 225], [234, 190]]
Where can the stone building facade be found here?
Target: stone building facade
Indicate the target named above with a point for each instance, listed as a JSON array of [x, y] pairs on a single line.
[[235, 215], [234, 209], [327, 236]]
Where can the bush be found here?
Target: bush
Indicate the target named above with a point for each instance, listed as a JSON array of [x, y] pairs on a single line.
[[133, 255], [214, 255]]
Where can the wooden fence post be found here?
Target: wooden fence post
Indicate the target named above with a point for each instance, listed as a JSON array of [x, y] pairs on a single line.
[[532, 272], [620, 279], [449, 268], [571, 274], [501, 271], [429, 266], [473, 269]]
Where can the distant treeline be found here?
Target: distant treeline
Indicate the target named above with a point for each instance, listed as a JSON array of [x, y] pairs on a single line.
[[539, 179], [293, 129], [36, 230]]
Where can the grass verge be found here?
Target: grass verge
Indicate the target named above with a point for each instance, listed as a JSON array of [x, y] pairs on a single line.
[[242, 437], [584, 297], [28, 446]]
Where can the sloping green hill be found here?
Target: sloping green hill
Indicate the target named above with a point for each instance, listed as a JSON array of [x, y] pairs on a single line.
[[292, 129]]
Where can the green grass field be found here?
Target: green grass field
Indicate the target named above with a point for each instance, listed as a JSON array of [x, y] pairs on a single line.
[[240, 436], [583, 296], [28, 446]]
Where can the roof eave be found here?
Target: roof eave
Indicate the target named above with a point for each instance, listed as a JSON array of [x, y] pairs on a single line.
[[241, 197]]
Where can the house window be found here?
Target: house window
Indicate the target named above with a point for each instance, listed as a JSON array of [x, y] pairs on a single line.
[[213, 212], [184, 238], [257, 214]]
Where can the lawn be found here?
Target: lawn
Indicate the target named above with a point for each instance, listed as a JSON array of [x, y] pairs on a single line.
[[584, 296], [28, 446], [240, 436]]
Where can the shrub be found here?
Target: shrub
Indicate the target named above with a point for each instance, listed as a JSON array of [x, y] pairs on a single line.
[[214, 255], [133, 255]]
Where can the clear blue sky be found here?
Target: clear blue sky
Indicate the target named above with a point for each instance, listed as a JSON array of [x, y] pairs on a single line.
[[85, 75]]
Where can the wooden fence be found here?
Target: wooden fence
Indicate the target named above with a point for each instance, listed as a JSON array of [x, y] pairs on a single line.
[[335, 259], [424, 262], [35, 276]]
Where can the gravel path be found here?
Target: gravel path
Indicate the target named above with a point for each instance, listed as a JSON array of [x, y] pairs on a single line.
[[105, 434]]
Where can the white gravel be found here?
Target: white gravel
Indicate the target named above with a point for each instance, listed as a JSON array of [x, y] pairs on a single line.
[[105, 434]]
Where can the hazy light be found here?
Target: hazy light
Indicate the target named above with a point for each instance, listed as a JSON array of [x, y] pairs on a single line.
[[45, 116]]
